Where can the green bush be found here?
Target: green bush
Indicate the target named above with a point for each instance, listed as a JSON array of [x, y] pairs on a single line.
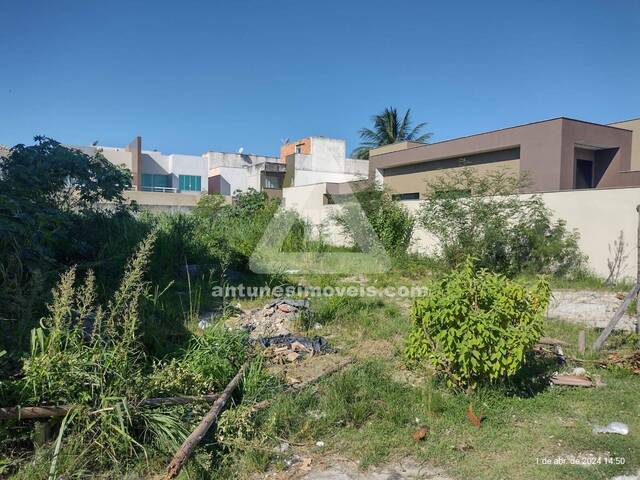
[[483, 216], [389, 220], [476, 326]]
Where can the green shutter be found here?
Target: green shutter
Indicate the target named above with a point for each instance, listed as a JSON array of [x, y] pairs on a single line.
[[147, 180]]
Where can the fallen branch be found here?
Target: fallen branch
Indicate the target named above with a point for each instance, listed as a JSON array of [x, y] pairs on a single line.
[[618, 315], [552, 341], [193, 440], [335, 368], [24, 413]]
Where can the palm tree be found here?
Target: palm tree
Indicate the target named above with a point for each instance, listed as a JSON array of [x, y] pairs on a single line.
[[388, 128]]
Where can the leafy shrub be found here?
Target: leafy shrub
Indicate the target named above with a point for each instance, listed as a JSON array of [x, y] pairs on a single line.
[[477, 326], [483, 216], [389, 220], [205, 365]]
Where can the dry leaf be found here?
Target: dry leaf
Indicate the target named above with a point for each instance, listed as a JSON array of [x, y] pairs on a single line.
[[421, 433], [476, 420]]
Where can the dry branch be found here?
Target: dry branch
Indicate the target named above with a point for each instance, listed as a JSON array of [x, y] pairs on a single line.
[[193, 440], [618, 315], [23, 413]]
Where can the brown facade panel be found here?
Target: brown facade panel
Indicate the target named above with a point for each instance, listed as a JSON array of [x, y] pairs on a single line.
[[418, 182], [549, 152]]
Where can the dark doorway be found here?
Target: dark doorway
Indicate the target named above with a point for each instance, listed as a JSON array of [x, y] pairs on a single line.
[[584, 174]]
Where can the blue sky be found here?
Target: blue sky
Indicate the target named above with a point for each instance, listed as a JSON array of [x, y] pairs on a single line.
[[217, 75]]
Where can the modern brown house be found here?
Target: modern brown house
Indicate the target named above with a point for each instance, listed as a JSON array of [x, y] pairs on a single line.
[[557, 154]]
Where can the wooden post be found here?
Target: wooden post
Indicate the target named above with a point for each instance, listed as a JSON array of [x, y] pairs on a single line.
[[41, 433], [582, 341]]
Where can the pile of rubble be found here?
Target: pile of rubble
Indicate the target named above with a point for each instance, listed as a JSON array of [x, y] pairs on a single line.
[[289, 348], [275, 319]]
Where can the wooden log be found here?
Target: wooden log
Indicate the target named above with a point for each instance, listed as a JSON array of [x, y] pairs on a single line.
[[616, 318], [20, 413], [24, 413], [552, 341], [193, 440]]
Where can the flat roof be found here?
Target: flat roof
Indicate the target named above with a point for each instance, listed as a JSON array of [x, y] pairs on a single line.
[[515, 126]]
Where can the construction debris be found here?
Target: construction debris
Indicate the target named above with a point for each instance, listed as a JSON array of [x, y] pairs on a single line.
[[276, 318], [614, 427], [630, 361], [291, 348], [572, 380]]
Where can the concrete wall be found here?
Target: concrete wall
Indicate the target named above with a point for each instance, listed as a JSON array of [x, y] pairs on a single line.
[[634, 126], [327, 163], [225, 159], [229, 180], [599, 215], [160, 202]]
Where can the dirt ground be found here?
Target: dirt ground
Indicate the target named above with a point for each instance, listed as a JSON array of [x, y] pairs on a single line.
[[332, 468], [590, 308]]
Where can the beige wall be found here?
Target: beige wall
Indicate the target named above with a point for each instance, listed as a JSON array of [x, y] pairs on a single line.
[[633, 125], [394, 147], [163, 201], [599, 215]]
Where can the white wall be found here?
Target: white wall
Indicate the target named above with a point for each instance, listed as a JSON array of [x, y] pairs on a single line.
[[225, 159], [188, 165], [231, 179], [597, 215], [328, 163], [153, 162]]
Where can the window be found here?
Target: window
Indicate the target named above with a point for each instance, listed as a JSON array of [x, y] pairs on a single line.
[[299, 148], [406, 196], [272, 180], [153, 180], [189, 183], [584, 174]]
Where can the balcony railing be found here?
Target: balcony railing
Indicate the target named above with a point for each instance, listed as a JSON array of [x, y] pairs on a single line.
[[159, 189]]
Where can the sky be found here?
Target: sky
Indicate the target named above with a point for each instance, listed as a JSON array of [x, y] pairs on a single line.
[[194, 76]]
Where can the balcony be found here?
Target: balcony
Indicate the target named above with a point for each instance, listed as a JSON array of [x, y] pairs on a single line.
[[159, 189]]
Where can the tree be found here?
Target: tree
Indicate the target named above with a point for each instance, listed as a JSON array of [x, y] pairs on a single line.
[[48, 195], [389, 220], [48, 174], [482, 215], [389, 128]]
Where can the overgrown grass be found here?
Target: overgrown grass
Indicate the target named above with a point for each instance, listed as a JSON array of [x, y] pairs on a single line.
[[369, 411]]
